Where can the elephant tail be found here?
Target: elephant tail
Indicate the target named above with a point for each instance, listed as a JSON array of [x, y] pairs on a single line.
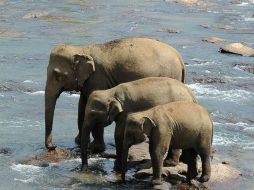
[[183, 75], [211, 140]]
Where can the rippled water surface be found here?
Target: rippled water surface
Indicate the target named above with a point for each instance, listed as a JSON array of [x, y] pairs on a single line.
[[224, 84]]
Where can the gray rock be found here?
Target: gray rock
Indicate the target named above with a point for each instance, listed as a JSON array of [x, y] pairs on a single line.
[[238, 49], [163, 186], [213, 40], [35, 14], [198, 3]]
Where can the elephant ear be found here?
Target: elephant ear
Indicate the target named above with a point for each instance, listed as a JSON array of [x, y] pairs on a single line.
[[83, 67], [148, 125], [114, 108]]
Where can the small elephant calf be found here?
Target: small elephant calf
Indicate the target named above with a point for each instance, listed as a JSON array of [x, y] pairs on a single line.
[[179, 125]]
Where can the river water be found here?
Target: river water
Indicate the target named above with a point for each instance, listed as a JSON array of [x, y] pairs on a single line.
[[224, 84]]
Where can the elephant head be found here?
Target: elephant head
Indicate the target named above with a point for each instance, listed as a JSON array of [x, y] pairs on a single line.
[[68, 69], [136, 130], [101, 110]]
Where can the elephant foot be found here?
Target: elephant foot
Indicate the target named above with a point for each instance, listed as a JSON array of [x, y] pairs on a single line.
[[204, 178], [156, 182], [170, 163], [50, 146], [96, 147], [78, 140]]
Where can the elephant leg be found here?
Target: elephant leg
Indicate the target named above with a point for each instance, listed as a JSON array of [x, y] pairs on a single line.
[[189, 156], [119, 136], [81, 115], [157, 152], [172, 158], [98, 144], [206, 165]]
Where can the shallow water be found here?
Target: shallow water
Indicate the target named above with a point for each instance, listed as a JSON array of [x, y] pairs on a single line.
[[28, 31]]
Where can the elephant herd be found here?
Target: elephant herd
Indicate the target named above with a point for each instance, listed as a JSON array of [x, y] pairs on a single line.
[[139, 84]]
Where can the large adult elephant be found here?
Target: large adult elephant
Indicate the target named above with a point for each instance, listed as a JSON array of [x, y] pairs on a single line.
[[103, 66]]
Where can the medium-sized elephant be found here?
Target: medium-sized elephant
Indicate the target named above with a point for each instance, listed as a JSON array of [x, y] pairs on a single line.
[[180, 125], [105, 106], [103, 66]]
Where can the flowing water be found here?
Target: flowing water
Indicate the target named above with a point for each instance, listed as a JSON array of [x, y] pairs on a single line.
[[224, 84]]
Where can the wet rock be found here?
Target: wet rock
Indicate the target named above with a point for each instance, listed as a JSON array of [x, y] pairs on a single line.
[[170, 30], [222, 175], [208, 80], [225, 162], [238, 49], [52, 156], [163, 186], [139, 152], [166, 172], [35, 14], [5, 151], [213, 40], [9, 33], [13, 86], [218, 26], [199, 3], [59, 155], [245, 67]]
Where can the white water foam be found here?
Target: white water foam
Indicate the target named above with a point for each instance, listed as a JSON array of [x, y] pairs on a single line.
[[243, 4], [201, 62], [29, 81], [234, 138], [40, 92], [71, 95], [249, 19], [28, 173], [228, 95], [36, 93]]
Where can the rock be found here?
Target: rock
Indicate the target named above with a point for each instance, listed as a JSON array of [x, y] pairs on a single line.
[[59, 155], [218, 26], [222, 175], [52, 156], [199, 3], [9, 33], [213, 40], [237, 48], [139, 152], [35, 14], [170, 30], [166, 171], [163, 186], [5, 151], [225, 162], [208, 80], [245, 67]]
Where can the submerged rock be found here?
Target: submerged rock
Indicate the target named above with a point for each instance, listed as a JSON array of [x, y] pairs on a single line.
[[35, 14], [5, 151], [218, 26], [237, 48], [213, 40], [170, 30], [199, 3], [208, 80]]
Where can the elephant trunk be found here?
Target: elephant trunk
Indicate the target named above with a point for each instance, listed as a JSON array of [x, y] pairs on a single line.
[[124, 159], [85, 139], [50, 102]]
